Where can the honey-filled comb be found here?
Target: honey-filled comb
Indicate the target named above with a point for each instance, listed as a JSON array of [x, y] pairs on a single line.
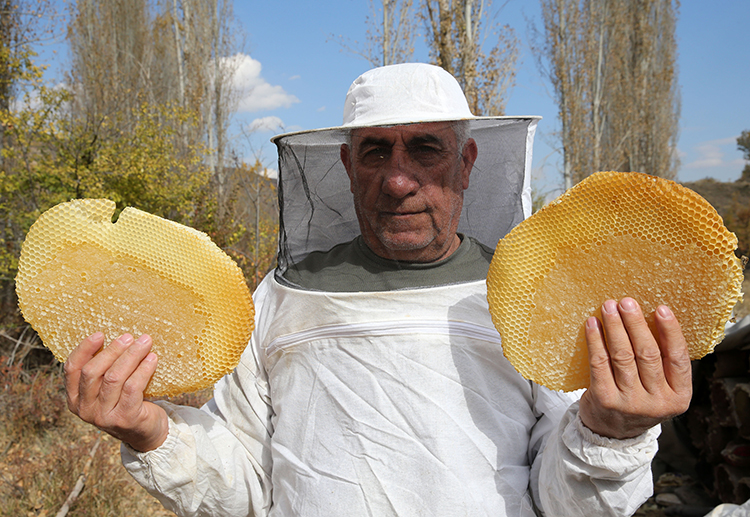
[[80, 273], [612, 235]]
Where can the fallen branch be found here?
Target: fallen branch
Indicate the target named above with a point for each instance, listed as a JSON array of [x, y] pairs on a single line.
[[7, 448], [73, 496]]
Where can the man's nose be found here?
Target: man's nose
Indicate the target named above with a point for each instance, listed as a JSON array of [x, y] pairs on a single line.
[[399, 178]]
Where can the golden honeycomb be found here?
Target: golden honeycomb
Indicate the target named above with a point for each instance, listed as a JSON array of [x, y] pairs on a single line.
[[80, 273], [612, 235]]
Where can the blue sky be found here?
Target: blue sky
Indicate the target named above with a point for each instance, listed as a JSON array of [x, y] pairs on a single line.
[[295, 74], [295, 44]]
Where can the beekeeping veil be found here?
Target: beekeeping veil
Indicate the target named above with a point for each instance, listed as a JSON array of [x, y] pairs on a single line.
[[315, 203]]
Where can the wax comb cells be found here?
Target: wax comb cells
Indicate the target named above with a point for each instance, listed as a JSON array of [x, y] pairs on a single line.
[[612, 235], [80, 273]]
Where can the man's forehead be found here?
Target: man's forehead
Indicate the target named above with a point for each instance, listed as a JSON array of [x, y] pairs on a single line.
[[424, 130]]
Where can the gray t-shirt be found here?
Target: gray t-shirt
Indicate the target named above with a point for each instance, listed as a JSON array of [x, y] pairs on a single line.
[[353, 267]]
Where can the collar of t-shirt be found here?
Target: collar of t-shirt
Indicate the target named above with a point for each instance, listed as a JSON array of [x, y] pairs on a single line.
[[353, 267]]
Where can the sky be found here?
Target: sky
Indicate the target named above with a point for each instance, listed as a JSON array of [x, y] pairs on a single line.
[[294, 73]]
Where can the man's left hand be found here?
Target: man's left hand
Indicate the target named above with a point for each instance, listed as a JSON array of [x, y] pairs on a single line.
[[638, 379]]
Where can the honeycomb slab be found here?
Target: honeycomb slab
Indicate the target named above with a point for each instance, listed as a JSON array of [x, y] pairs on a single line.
[[612, 235], [79, 273]]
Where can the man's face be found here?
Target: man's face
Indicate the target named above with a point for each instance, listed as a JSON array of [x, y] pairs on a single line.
[[408, 184]]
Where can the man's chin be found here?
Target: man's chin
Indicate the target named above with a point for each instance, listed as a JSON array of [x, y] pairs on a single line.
[[403, 241]]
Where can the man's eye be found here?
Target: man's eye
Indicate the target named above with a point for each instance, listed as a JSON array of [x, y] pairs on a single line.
[[425, 153], [375, 155], [425, 149]]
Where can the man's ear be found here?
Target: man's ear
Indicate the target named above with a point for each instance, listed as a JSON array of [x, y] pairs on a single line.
[[346, 158], [469, 156]]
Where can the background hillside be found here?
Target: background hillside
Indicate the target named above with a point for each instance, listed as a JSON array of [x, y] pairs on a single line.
[[732, 201]]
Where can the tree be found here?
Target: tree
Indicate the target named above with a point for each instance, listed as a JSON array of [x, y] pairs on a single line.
[[743, 144], [198, 50], [132, 129], [455, 32], [133, 52], [612, 67], [390, 33], [53, 157], [397, 32], [737, 221], [738, 218], [253, 240], [22, 23]]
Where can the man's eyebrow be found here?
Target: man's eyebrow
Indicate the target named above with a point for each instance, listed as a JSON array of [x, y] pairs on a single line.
[[425, 139], [372, 141]]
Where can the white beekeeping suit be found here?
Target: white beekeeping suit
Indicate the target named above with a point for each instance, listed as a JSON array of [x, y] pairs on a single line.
[[365, 401]]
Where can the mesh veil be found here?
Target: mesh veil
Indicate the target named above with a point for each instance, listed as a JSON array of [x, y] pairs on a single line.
[[316, 207]]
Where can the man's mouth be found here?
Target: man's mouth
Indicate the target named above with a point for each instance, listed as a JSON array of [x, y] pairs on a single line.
[[402, 213]]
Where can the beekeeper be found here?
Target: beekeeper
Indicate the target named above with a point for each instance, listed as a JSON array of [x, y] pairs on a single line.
[[374, 383]]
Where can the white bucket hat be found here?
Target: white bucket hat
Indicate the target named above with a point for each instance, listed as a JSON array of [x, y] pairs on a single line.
[[379, 97], [315, 204]]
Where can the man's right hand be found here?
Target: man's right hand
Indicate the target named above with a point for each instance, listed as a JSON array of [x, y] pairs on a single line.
[[105, 388]]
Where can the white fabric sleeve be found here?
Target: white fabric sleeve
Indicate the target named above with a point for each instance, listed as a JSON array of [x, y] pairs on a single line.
[[549, 409], [217, 459], [583, 474]]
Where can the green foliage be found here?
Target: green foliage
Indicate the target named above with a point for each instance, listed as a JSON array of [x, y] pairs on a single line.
[[51, 158], [18, 145], [15, 67], [144, 153], [146, 167]]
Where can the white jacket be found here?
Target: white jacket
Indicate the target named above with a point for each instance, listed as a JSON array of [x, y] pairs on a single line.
[[392, 403]]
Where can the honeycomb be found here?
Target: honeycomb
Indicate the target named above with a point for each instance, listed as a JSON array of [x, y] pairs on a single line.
[[80, 273], [612, 235]]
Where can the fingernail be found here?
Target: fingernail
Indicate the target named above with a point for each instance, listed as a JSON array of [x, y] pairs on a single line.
[[125, 339], [665, 312], [143, 339], [96, 335], [592, 323], [610, 307], [628, 304]]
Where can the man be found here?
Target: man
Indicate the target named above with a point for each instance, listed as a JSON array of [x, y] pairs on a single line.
[[374, 383]]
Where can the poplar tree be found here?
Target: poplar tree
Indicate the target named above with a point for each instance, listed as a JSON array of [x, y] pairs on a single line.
[[462, 37], [130, 53], [389, 40], [743, 144], [465, 40], [612, 65]]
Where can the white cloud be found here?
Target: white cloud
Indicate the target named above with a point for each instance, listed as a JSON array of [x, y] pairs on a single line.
[[265, 124], [271, 173], [30, 99], [256, 94], [712, 154]]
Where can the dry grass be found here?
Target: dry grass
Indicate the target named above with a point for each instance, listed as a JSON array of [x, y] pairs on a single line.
[[44, 448]]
